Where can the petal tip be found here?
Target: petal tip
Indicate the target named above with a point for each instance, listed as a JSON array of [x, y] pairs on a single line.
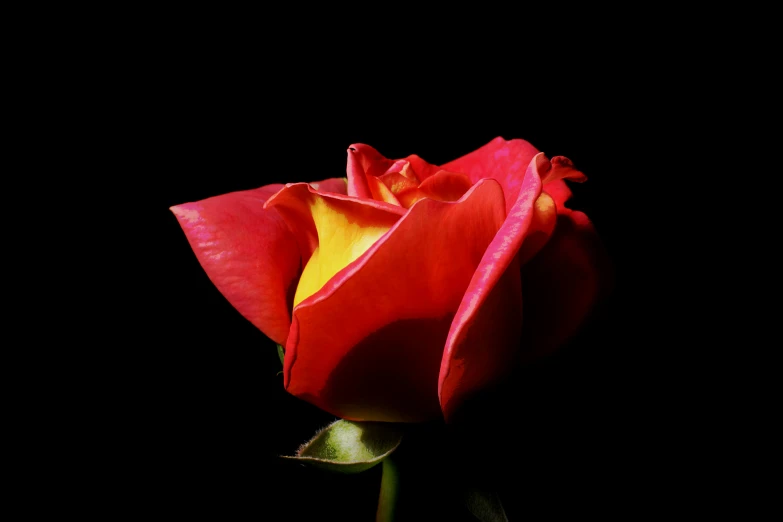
[[185, 212]]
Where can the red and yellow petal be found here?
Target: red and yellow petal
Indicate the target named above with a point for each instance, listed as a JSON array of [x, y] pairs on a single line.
[[332, 230], [248, 253], [368, 345], [380, 191]]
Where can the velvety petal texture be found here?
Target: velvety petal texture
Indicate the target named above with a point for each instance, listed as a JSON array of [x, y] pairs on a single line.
[[364, 161], [331, 230], [368, 345], [405, 288], [503, 160], [248, 253], [486, 329]]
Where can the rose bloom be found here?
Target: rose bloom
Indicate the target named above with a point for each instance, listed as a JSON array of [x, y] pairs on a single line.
[[404, 289]]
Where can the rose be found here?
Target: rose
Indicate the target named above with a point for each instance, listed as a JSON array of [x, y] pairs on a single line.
[[398, 291]]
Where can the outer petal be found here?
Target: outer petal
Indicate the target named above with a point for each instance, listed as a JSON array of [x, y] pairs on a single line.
[[485, 332], [571, 273], [248, 253], [550, 202], [505, 161], [368, 345], [559, 192], [541, 227], [562, 283], [561, 168]]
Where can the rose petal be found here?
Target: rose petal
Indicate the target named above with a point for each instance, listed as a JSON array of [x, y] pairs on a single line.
[[505, 161], [332, 230], [485, 332], [563, 282], [445, 186], [561, 168], [403, 168], [422, 168], [559, 192], [248, 253], [335, 185], [397, 181], [380, 191], [368, 345], [364, 161]]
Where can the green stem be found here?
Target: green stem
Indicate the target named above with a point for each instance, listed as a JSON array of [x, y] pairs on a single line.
[[388, 497]]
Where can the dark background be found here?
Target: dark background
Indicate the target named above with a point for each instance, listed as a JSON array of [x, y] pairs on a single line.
[[205, 413]]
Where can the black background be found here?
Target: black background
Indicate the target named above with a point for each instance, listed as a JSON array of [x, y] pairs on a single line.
[[204, 414]]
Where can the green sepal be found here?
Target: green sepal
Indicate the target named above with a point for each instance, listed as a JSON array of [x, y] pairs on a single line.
[[350, 447], [280, 353]]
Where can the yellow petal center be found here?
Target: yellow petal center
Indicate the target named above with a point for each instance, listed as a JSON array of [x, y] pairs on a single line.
[[341, 240]]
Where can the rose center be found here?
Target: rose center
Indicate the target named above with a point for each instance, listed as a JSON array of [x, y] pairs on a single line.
[[400, 185]]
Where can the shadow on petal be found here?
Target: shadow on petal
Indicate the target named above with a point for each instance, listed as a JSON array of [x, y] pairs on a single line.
[[392, 375]]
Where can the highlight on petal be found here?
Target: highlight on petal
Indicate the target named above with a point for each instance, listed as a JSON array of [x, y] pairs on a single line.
[[544, 214], [368, 345], [485, 332], [248, 253], [502, 160], [541, 227], [332, 230]]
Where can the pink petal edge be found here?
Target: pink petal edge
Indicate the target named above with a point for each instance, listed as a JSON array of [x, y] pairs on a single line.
[[485, 332], [503, 160]]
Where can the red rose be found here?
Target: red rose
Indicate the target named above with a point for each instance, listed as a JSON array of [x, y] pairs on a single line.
[[399, 292]]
